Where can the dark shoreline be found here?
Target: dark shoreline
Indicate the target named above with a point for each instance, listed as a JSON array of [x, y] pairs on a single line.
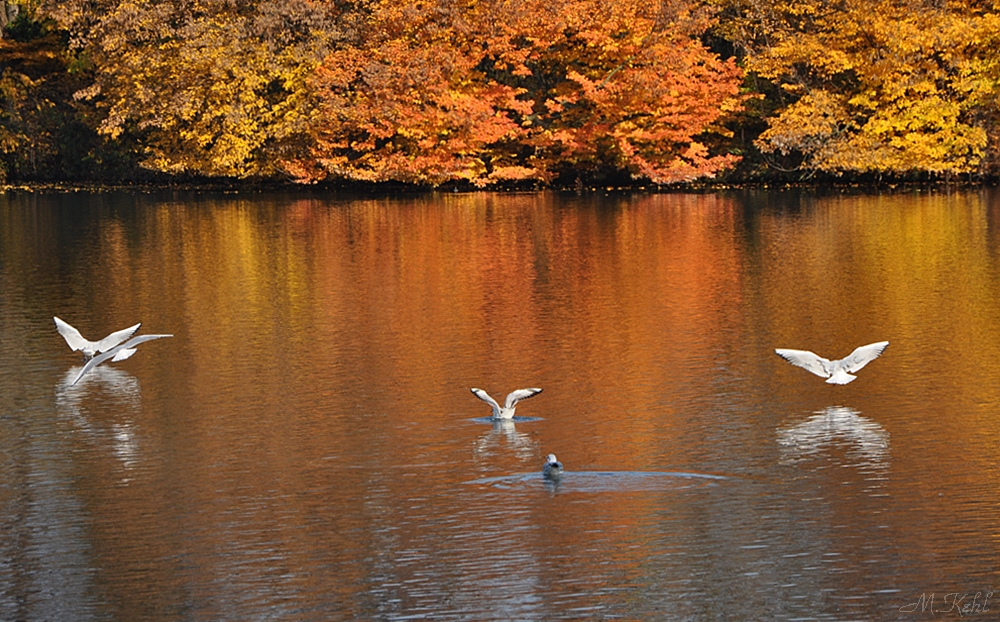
[[388, 189]]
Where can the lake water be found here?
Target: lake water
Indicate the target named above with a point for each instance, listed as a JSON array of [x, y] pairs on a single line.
[[306, 446]]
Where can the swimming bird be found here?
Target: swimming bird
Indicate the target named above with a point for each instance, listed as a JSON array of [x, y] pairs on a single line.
[[507, 412], [117, 353], [92, 348], [553, 469], [836, 372]]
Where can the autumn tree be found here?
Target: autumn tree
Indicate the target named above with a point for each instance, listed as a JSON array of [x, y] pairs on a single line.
[[8, 13], [494, 90], [983, 69], [44, 134], [208, 87], [872, 86]]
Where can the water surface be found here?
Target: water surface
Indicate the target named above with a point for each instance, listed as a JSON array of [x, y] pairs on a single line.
[[306, 446]]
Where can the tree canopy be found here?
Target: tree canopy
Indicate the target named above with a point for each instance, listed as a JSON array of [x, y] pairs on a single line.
[[883, 86], [214, 87], [525, 89], [487, 92]]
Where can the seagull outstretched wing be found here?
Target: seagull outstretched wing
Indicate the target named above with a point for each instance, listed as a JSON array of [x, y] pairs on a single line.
[[521, 394], [76, 341], [807, 360], [115, 351], [483, 395], [71, 335], [116, 338], [863, 355]]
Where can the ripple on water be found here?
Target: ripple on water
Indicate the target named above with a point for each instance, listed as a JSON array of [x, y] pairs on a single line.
[[514, 419], [605, 481]]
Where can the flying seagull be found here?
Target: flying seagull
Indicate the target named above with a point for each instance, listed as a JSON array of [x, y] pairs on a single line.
[[117, 353], [836, 372], [91, 348], [553, 469], [507, 412]]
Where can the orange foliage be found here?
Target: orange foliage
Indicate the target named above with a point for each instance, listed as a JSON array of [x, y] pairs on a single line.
[[492, 91], [524, 89]]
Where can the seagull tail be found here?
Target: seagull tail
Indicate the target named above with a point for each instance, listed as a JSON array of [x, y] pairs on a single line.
[[840, 377]]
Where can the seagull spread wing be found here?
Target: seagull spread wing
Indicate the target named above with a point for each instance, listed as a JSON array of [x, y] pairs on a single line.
[[863, 355], [113, 353], [116, 338], [77, 341], [521, 394], [71, 335], [483, 395], [807, 360]]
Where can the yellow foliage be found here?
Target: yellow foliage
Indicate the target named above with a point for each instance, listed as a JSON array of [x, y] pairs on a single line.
[[877, 85], [212, 88]]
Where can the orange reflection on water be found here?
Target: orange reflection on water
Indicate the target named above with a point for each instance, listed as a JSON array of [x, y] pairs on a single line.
[[306, 437]]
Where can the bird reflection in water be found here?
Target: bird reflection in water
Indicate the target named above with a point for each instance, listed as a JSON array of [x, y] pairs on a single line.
[[505, 431], [867, 442], [115, 391]]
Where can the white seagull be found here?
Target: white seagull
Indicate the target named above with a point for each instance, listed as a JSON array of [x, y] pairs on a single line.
[[553, 469], [836, 372], [507, 412], [89, 348], [117, 353]]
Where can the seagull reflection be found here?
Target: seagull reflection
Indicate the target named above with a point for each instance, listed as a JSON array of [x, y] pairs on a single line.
[[117, 381], [115, 390], [835, 425], [504, 430]]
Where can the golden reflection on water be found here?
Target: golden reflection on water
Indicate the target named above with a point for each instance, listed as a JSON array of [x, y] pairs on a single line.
[[306, 439]]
